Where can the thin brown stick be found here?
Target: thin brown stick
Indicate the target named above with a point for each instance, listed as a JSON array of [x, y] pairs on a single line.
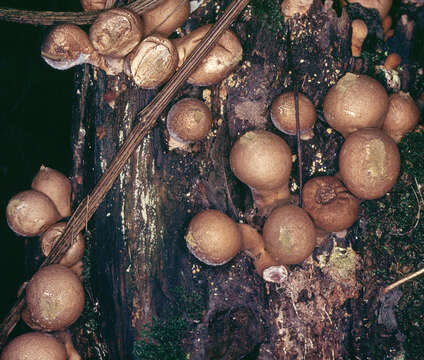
[[403, 280], [146, 119], [77, 18]]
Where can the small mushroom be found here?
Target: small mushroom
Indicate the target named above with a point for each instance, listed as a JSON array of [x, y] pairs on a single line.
[[152, 62], [387, 23], [68, 45], [166, 17], [289, 234], [329, 204], [262, 160], [54, 299], [359, 33], [218, 64], [392, 61], [267, 267], [369, 163], [49, 238], [66, 339], [213, 237], [93, 5], [30, 213], [189, 120], [56, 186], [290, 8], [283, 115], [116, 32], [382, 6], [355, 102], [34, 346], [402, 117]]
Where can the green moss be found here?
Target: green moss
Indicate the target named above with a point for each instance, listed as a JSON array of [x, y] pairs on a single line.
[[268, 11]]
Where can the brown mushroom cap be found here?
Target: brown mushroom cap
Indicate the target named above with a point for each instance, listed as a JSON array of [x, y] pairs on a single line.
[[290, 8], [369, 163], [34, 346], [54, 297], [213, 237], [289, 234], [261, 160], [50, 237], [355, 102], [218, 64], [152, 62], [166, 17], [56, 186], [330, 205], [30, 212], [283, 114], [402, 116], [382, 6], [93, 5], [116, 32], [189, 120]]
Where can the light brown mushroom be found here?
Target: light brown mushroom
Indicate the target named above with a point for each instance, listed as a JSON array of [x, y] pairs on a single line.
[[189, 120], [34, 346], [66, 339], [213, 237], [290, 8], [116, 32], [382, 6], [262, 160], [329, 204], [54, 299], [152, 62], [166, 17], [355, 102], [386, 23], [392, 61], [402, 117], [30, 213], [283, 115], [369, 163], [49, 238], [220, 61], [56, 186], [93, 5], [359, 33], [289, 234]]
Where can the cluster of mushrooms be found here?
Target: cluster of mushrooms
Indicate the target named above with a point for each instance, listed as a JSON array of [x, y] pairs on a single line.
[[54, 296]]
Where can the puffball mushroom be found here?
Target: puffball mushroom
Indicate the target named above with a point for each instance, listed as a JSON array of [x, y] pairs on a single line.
[[49, 238], [93, 5], [283, 115], [262, 160], [369, 163], [213, 237], [30, 213], [218, 64], [329, 204], [54, 299], [355, 102], [34, 346], [188, 120], [402, 117], [116, 32], [56, 186], [290, 8], [166, 17], [289, 234], [382, 6], [68, 45], [152, 62], [359, 33]]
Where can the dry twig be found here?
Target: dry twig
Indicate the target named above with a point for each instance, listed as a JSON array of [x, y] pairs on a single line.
[[403, 280]]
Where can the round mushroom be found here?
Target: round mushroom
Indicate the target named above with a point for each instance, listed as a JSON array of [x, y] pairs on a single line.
[[355, 102], [49, 238], [54, 298], [30, 213], [152, 62], [166, 17], [283, 115], [34, 346], [402, 117], [369, 163], [116, 32], [220, 61], [56, 186], [329, 204], [359, 33], [262, 160], [189, 120], [213, 237], [93, 5], [289, 234]]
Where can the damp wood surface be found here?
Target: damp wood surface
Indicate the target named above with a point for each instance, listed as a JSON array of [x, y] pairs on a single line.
[[138, 267]]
